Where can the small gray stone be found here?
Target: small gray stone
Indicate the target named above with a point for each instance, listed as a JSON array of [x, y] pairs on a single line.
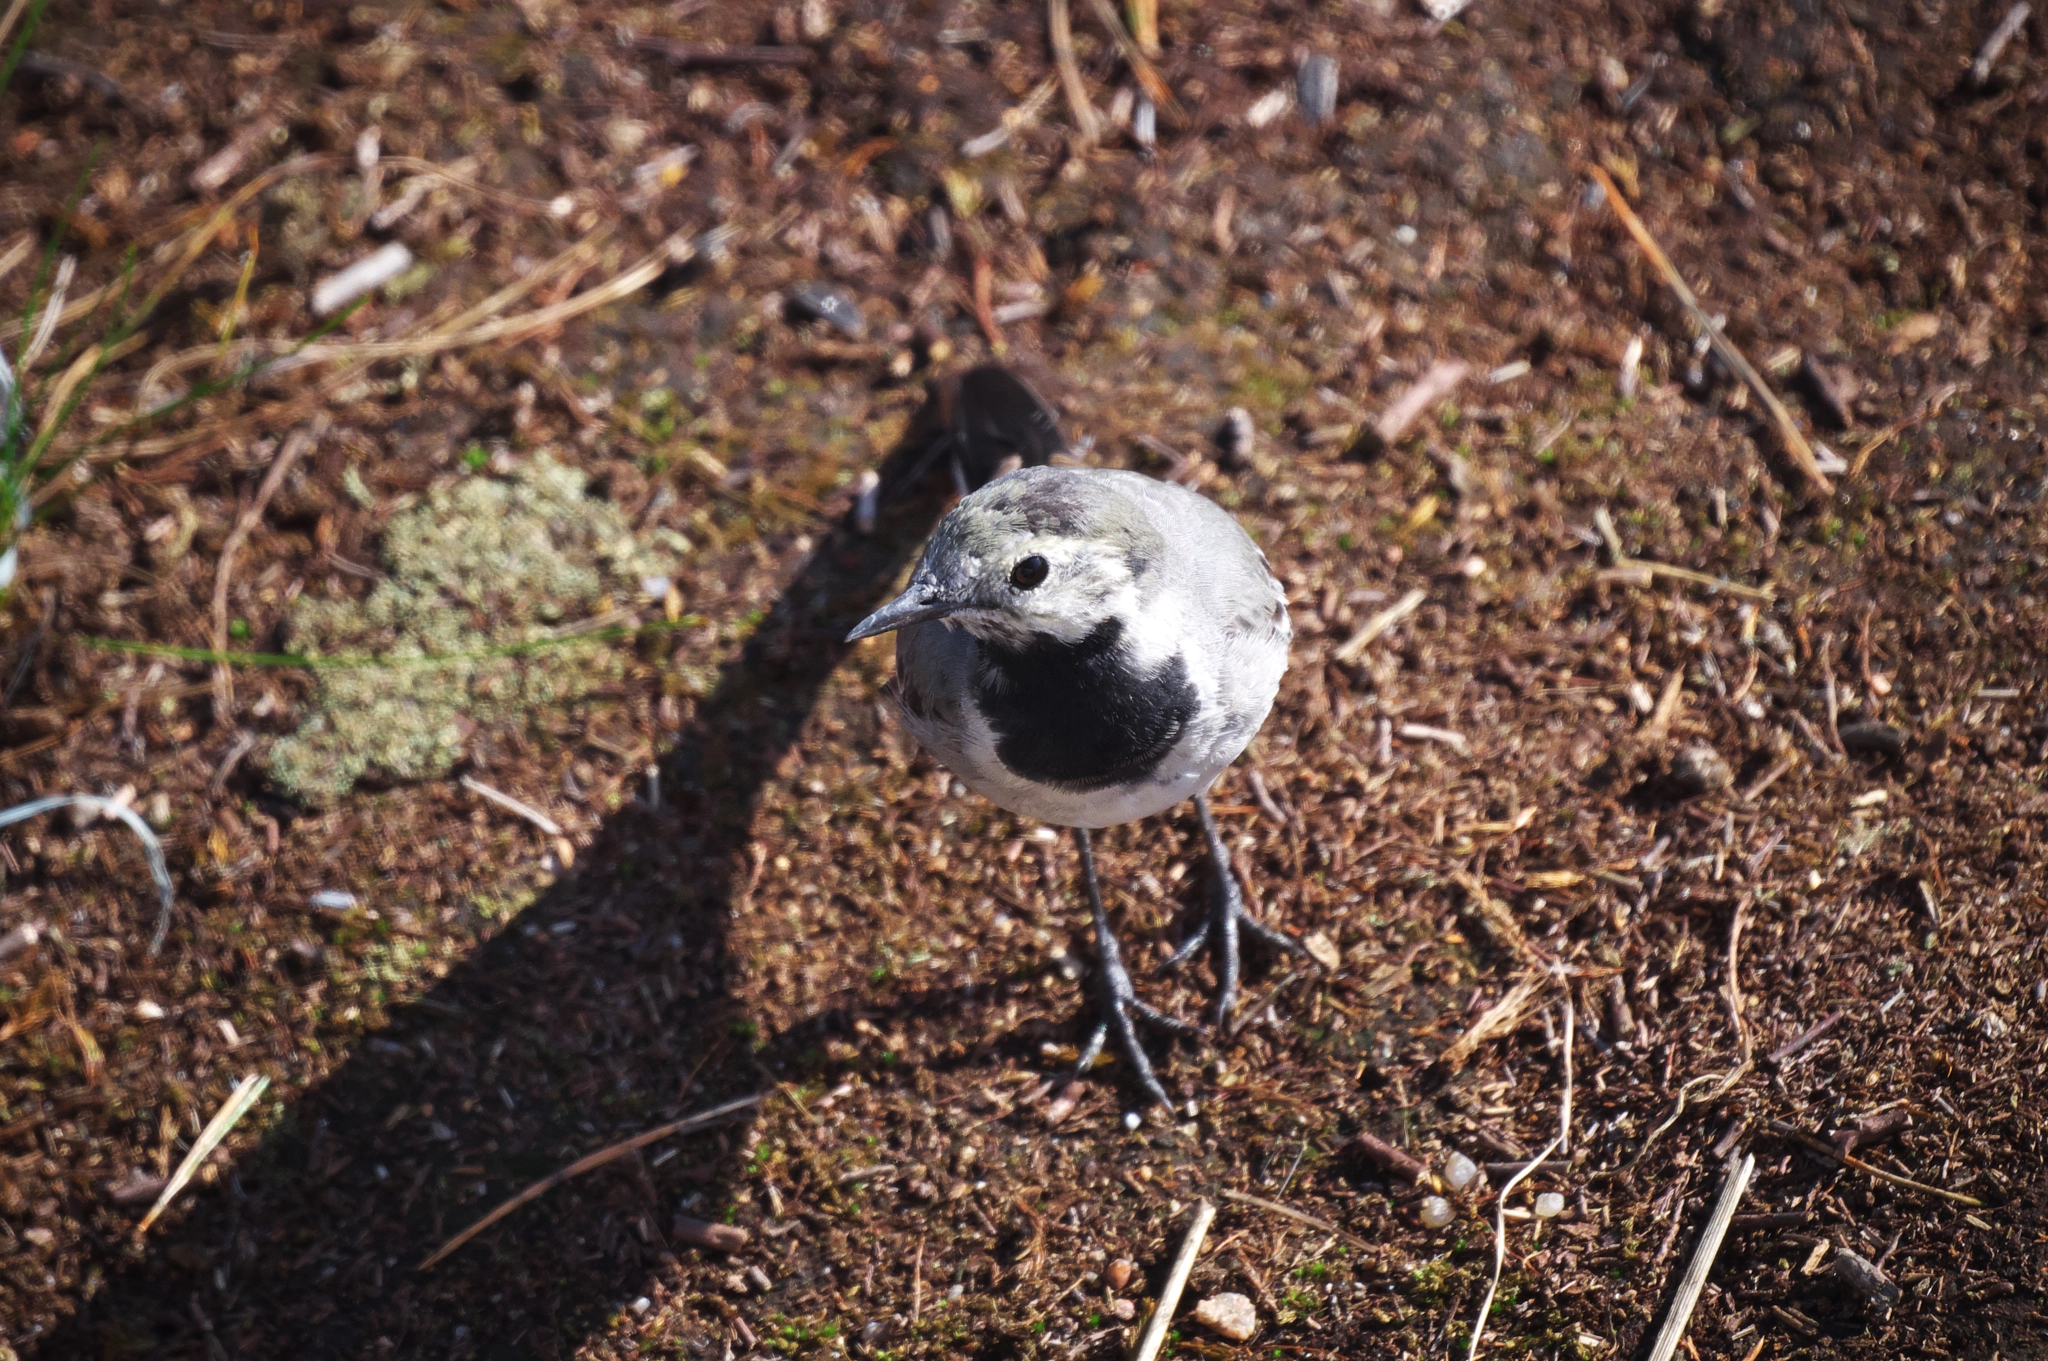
[[1315, 88], [823, 302], [1700, 770], [1228, 1315], [1866, 1280], [1878, 739]]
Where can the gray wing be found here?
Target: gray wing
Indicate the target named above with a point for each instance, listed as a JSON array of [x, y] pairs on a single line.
[[1214, 560]]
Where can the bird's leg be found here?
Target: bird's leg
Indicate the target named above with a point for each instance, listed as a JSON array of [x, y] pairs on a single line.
[[1119, 1001], [1228, 918]]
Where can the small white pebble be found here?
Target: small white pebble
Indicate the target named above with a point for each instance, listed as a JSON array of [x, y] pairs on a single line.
[[1405, 234], [1549, 1205], [333, 899], [642, 1305], [1132, 1120], [148, 1010], [374, 270], [1460, 1171], [1228, 1315], [1269, 107], [1436, 1212], [655, 588]]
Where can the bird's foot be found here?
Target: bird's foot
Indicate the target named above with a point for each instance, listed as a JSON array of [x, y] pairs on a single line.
[[1121, 1014], [1228, 920], [1120, 1008]]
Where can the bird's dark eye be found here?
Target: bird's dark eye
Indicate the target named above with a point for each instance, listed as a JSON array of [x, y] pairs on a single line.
[[1028, 573]]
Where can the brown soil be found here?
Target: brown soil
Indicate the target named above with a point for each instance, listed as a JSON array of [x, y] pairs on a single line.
[[802, 907]]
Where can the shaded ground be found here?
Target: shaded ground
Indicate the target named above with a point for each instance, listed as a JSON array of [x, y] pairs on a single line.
[[800, 906]]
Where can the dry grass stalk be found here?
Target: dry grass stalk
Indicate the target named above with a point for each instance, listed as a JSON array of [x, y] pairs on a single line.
[[1795, 443], [358, 356], [1500, 1209], [1658, 726], [1354, 647], [1925, 411], [1145, 25], [1498, 1019], [512, 805], [595, 1160], [1499, 921], [1153, 1337], [1288, 1212], [53, 308], [1021, 116], [11, 258], [1695, 1278], [184, 248], [10, 19], [1641, 572], [159, 872], [1141, 66], [1828, 1150], [295, 446], [532, 207], [1059, 27], [575, 258], [61, 390], [1747, 1059], [239, 1101]]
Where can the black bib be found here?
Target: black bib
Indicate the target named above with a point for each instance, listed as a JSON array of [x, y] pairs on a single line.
[[1078, 716]]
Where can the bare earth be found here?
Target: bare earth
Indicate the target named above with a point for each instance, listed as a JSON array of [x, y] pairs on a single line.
[[1698, 813]]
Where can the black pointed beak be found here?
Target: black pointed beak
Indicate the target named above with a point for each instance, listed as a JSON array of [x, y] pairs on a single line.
[[914, 606]]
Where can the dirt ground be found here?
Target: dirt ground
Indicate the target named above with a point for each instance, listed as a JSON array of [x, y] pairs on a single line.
[[1572, 815]]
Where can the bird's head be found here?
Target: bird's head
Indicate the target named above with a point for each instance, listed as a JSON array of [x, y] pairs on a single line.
[[1043, 552]]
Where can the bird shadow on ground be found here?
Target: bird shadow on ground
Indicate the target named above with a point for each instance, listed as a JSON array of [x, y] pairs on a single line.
[[606, 1007]]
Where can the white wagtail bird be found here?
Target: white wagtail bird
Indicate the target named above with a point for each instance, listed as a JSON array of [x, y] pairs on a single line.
[[1087, 647]]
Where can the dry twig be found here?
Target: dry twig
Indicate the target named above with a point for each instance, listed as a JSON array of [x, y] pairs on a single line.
[[512, 805], [1827, 1150], [1154, 1335], [1432, 387], [1640, 572], [1354, 647], [1994, 46], [1695, 1278], [1804, 1038], [1925, 411], [1795, 443], [597, 1159]]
